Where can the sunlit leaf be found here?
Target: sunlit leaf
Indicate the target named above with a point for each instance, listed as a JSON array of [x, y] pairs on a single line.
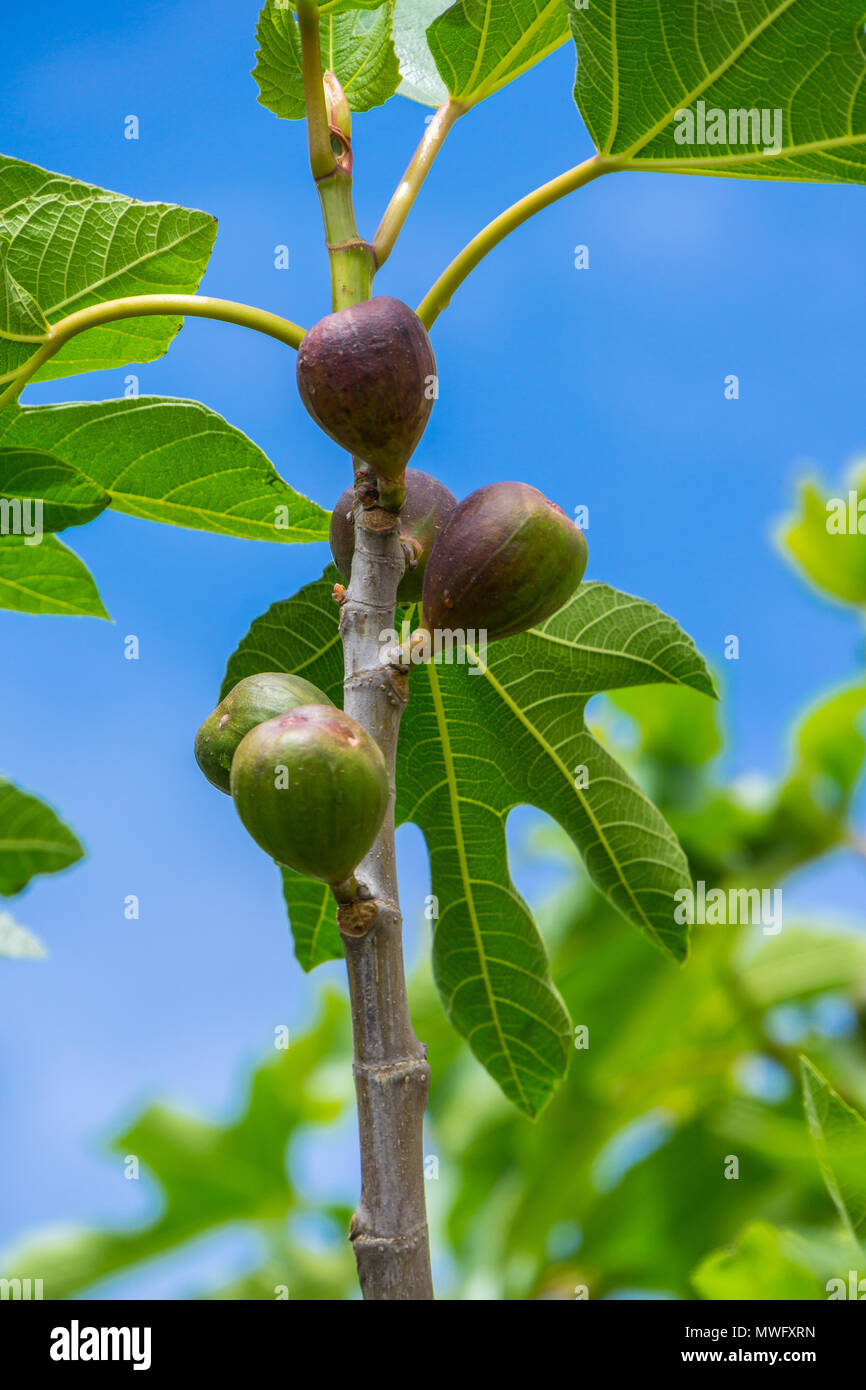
[[171, 461], [47, 489], [827, 537], [786, 79], [765, 1263], [46, 578], [71, 244], [481, 45]]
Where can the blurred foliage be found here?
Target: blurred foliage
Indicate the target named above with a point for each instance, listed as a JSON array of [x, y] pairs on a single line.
[[680, 1078], [827, 536]]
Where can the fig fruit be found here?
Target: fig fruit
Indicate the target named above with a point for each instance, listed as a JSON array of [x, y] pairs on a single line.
[[253, 700], [506, 559], [311, 787], [427, 507], [367, 376]]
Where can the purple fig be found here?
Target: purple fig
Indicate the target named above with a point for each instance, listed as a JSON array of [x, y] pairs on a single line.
[[312, 788], [253, 700], [427, 507], [367, 376], [506, 559]]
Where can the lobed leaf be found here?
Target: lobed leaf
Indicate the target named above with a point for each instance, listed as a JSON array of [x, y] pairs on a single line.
[[172, 461], [505, 729]]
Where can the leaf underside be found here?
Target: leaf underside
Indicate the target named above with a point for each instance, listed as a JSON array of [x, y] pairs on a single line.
[[356, 45], [640, 62], [171, 461], [528, 695], [71, 244], [481, 45]]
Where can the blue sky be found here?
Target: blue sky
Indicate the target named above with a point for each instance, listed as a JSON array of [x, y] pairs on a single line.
[[603, 387]]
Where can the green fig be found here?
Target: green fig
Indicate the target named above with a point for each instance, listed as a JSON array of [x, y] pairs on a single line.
[[506, 559], [427, 507], [367, 376], [253, 700], [311, 787]]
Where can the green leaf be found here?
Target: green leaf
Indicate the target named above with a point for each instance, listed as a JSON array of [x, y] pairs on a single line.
[[421, 81], [46, 578], [22, 324], [834, 560], [72, 244], [765, 1263], [313, 918], [172, 461], [510, 733], [839, 1136], [356, 45], [481, 45], [33, 840], [17, 942], [46, 490], [641, 62], [832, 738]]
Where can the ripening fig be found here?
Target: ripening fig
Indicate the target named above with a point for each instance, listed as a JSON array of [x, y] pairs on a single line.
[[311, 787], [427, 507], [253, 700], [367, 376], [506, 559]]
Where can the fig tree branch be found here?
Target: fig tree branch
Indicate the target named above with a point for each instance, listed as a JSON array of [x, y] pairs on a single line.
[[438, 297], [410, 185], [392, 1077], [141, 306]]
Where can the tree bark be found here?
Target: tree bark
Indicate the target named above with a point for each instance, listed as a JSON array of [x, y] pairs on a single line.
[[389, 1228]]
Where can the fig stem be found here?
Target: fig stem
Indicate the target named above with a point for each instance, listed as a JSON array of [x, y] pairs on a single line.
[[351, 258], [410, 185], [438, 297], [322, 158], [142, 306]]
